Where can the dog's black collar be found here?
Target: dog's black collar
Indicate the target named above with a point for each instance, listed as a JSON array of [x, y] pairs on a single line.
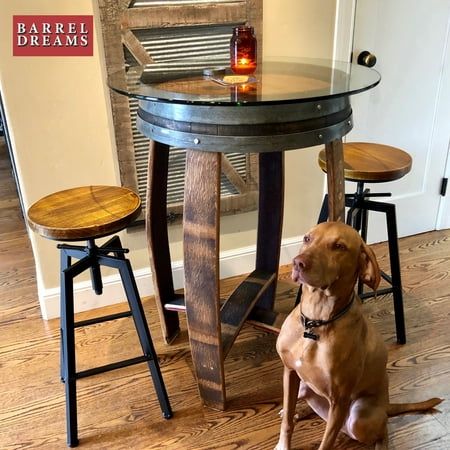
[[310, 324]]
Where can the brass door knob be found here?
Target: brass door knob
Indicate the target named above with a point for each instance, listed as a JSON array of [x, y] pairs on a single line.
[[367, 59]]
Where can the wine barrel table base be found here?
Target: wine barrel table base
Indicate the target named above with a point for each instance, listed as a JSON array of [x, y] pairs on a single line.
[[213, 327], [292, 105]]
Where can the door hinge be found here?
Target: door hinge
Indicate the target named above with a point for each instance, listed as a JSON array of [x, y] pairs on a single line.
[[444, 187]]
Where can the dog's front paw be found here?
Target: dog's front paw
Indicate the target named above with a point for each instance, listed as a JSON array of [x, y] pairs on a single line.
[[282, 445], [284, 441]]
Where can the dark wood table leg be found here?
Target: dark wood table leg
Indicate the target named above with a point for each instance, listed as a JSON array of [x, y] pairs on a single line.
[[158, 240], [201, 263], [335, 180], [270, 220]]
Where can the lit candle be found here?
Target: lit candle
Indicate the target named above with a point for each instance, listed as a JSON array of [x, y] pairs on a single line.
[[243, 50]]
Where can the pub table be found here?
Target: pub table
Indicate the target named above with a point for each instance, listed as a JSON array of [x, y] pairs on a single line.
[[287, 104]]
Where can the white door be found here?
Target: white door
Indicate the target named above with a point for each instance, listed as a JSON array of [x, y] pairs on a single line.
[[410, 109]]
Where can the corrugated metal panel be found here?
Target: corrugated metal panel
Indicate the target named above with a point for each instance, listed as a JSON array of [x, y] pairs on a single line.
[[172, 50], [186, 48]]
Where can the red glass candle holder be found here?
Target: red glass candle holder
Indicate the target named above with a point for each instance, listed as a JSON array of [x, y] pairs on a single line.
[[243, 49]]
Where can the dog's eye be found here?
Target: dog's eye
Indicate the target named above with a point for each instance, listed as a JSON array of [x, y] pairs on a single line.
[[339, 246], [306, 239]]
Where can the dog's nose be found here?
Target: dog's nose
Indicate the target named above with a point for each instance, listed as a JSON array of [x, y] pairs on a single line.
[[300, 263]]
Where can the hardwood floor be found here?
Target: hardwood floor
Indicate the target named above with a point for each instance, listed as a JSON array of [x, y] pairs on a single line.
[[119, 410]]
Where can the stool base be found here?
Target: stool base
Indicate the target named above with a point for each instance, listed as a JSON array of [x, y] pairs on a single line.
[[92, 257], [357, 217]]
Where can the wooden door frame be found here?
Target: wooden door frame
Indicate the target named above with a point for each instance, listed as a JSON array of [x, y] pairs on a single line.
[[344, 27]]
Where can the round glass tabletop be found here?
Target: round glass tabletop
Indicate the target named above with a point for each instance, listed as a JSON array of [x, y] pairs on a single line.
[[276, 81]]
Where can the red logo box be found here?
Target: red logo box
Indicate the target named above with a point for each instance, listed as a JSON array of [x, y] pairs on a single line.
[[53, 35]]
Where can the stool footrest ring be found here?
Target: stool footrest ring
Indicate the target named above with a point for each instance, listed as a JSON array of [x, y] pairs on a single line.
[[84, 323], [112, 366]]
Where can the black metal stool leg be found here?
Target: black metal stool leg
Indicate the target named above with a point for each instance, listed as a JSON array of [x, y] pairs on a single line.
[[134, 301], [96, 276], [364, 224], [360, 194], [351, 219], [395, 272], [68, 359], [323, 215], [115, 245], [65, 261], [395, 278]]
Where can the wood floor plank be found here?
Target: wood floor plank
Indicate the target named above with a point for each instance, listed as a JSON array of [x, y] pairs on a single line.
[[119, 409]]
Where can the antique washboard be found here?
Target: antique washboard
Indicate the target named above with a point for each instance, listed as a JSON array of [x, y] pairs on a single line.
[[170, 35]]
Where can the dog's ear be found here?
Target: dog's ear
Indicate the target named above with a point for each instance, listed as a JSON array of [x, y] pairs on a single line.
[[369, 271]]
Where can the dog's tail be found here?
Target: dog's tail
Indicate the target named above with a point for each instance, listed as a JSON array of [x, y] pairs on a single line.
[[398, 408]]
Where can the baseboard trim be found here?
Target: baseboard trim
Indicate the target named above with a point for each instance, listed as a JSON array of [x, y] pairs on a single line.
[[233, 262]]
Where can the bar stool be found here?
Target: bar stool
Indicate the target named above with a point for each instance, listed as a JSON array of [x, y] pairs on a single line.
[[374, 163], [85, 214]]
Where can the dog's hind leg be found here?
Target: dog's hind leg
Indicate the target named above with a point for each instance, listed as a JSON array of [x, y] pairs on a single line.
[[367, 422]]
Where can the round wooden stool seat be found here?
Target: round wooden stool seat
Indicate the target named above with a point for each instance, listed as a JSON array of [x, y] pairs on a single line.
[[86, 212], [372, 163]]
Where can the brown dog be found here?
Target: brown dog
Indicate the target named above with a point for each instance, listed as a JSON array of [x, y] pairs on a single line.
[[333, 357]]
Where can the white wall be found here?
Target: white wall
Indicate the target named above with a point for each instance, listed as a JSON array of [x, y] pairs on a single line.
[[61, 130]]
